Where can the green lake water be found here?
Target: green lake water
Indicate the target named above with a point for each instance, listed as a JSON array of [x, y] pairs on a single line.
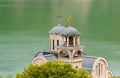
[[24, 27]]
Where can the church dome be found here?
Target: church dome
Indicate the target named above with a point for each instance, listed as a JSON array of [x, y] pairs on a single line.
[[70, 31], [57, 29]]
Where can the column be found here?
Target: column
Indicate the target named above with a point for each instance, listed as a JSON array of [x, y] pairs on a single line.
[[67, 41], [62, 41], [74, 41], [78, 41]]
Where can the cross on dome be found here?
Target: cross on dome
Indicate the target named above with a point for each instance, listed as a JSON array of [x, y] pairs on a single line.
[[69, 20]]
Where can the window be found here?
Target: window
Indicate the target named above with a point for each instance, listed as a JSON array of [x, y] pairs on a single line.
[[57, 42], [64, 54], [53, 45], [71, 40], [99, 69], [77, 54]]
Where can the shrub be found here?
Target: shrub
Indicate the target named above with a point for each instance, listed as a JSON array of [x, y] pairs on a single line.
[[56, 69]]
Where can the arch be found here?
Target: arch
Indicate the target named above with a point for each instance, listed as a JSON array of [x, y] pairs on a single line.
[[103, 60], [64, 54], [101, 67], [110, 74], [39, 60], [77, 54]]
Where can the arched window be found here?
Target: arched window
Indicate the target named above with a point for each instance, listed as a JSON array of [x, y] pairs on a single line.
[[77, 54], [57, 42], [64, 54], [99, 69], [53, 45], [71, 40]]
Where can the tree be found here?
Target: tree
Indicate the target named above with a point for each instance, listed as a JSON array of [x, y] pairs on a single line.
[[56, 69]]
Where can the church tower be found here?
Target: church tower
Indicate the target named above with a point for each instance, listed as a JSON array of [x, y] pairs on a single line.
[[66, 42], [70, 51]]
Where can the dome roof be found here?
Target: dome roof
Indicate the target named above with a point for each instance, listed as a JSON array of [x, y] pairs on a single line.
[[70, 31], [57, 29]]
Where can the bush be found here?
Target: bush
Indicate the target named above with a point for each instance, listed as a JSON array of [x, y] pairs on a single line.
[[116, 77], [56, 69]]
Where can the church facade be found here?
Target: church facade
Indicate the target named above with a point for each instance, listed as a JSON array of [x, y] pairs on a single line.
[[65, 46]]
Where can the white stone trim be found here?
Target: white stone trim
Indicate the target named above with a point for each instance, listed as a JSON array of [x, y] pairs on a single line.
[[109, 72], [39, 58], [100, 59]]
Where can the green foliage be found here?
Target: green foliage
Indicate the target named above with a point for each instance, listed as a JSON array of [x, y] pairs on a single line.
[[116, 77], [56, 69]]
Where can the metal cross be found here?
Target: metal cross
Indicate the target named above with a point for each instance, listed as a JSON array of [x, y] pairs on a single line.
[[69, 20]]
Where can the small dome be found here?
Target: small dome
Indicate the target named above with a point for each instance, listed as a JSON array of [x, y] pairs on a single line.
[[70, 31], [57, 29]]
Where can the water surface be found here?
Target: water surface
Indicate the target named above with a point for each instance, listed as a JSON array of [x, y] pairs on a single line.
[[24, 27]]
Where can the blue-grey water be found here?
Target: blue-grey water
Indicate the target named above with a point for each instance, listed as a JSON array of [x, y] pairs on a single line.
[[24, 27]]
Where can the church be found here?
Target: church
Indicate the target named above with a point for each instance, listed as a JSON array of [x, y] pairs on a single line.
[[65, 46]]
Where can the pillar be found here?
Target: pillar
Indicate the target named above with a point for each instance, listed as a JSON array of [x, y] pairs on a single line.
[[74, 41], [67, 41], [78, 41]]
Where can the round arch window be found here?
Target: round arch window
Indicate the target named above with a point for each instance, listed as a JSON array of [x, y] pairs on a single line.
[[64, 54], [77, 54]]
